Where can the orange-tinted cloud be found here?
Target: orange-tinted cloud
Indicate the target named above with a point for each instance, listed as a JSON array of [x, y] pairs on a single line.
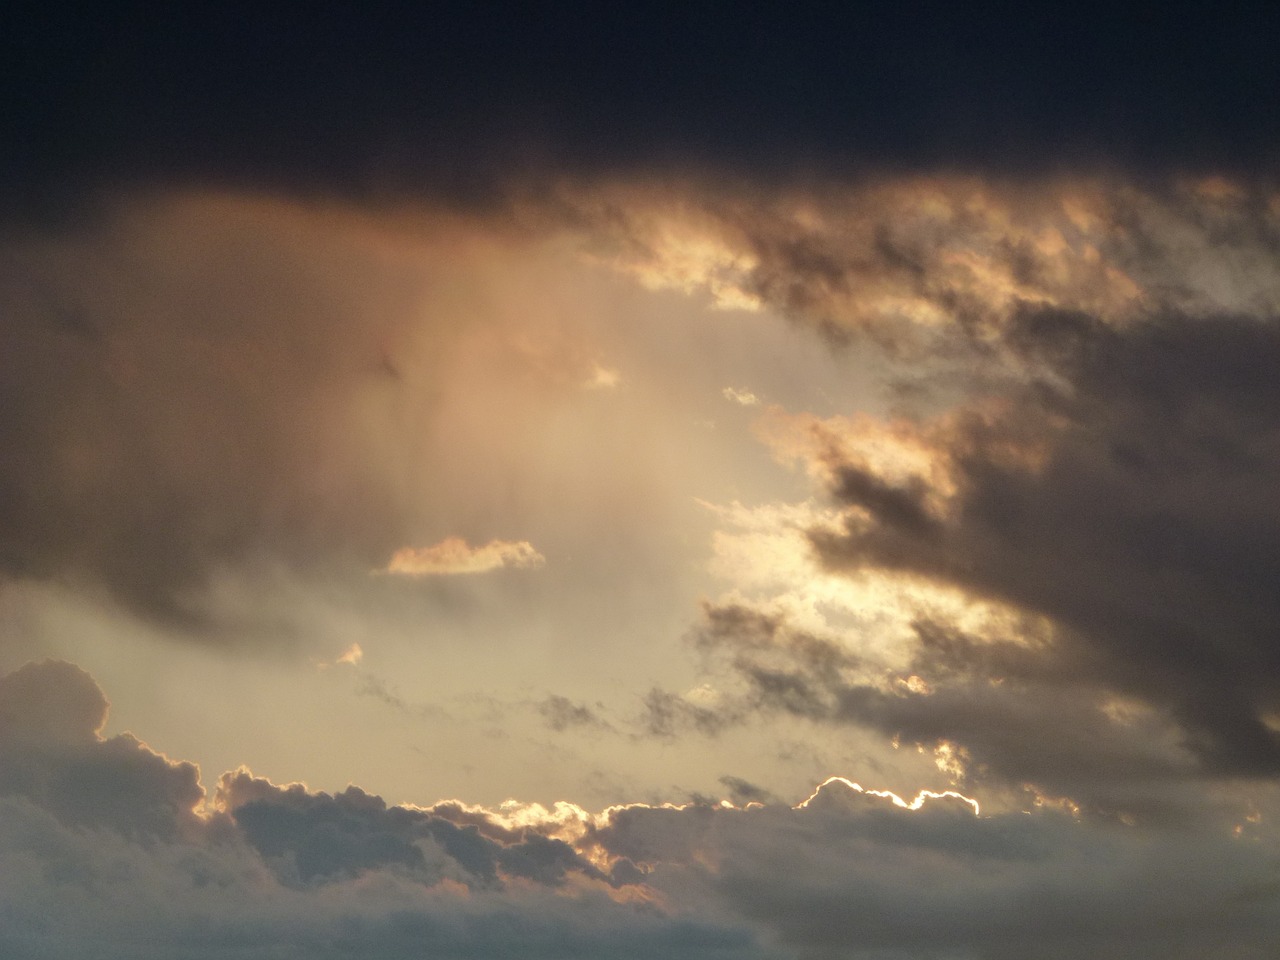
[[453, 555]]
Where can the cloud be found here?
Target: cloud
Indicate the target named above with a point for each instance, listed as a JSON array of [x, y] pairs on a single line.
[[832, 92], [1048, 563], [268, 390], [743, 398], [1141, 526], [865, 878], [602, 378], [560, 713], [53, 755], [269, 870], [1107, 529], [350, 393], [454, 556], [50, 702], [935, 267], [218, 403]]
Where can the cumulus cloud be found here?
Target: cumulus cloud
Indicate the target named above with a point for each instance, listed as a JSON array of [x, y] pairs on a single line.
[[453, 555]]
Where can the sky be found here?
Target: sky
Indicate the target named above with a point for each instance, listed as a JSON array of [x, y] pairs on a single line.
[[483, 482]]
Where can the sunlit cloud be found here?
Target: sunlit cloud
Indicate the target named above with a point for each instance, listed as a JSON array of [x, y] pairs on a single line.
[[454, 555]]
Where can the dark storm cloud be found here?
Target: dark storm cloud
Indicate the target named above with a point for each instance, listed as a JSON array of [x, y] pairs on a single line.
[[376, 102]]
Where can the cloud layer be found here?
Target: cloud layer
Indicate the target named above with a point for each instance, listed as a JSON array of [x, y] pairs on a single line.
[[121, 845]]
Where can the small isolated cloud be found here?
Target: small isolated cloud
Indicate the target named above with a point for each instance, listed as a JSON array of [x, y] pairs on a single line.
[[602, 378], [453, 555], [744, 397]]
